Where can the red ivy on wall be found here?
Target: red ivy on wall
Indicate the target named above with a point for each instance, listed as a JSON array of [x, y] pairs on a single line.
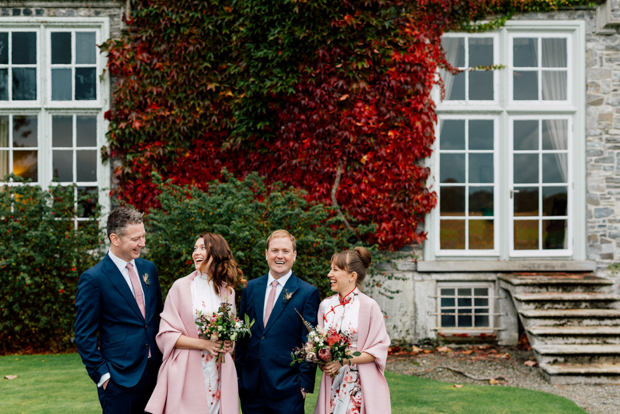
[[296, 90]]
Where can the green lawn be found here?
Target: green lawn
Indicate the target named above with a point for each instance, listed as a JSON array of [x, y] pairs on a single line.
[[59, 384]]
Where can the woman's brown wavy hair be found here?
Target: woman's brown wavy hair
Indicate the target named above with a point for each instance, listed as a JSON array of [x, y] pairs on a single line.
[[224, 267]]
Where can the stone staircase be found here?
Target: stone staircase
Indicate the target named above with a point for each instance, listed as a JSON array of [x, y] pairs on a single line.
[[572, 322]]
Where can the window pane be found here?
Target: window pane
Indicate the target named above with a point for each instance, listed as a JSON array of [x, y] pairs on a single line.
[[554, 85], [452, 136], [481, 301], [24, 84], [481, 85], [555, 134], [554, 53], [24, 51], [525, 168], [61, 84], [525, 135], [525, 85], [555, 168], [554, 234], [452, 234], [62, 131], [481, 292], [480, 168], [447, 292], [85, 48], [464, 320], [4, 131], [526, 201], [447, 302], [481, 235], [85, 87], [464, 301], [86, 131], [452, 201], [62, 165], [87, 200], [481, 201], [4, 163], [481, 321], [4, 48], [452, 169], [448, 321], [480, 52], [61, 48], [25, 131], [480, 134], [526, 234], [86, 163], [25, 164], [525, 52], [4, 84], [455, 86], [554, 201], [464, 292], [455, 50]]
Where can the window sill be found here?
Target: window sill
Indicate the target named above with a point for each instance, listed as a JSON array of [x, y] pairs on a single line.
[[506, 266]]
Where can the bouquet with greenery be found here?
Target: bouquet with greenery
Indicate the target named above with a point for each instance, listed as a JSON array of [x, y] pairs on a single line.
[[223, 325]]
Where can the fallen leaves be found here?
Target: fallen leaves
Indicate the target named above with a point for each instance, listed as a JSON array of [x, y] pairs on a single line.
[[458, 385], [444, 349], [10, 377], [530, 363]]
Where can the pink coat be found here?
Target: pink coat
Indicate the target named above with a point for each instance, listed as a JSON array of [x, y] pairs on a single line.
[[373, 339], [180, 383]]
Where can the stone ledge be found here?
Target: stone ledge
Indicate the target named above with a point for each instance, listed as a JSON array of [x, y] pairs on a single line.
[[507, 266]]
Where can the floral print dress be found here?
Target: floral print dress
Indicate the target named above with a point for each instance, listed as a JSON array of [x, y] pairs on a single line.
[[206, 300], [346, 391]]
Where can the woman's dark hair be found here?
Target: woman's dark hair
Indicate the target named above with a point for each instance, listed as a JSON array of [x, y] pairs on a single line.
[[356, 260], [224, 267]]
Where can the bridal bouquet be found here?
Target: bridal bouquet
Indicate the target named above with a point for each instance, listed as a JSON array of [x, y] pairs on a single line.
[[323, 346], [223, 325]]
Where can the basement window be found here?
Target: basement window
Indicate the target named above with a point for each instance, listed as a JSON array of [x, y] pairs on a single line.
[[465, 306]]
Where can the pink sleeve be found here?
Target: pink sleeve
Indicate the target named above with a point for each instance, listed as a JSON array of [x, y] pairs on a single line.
[[171, 326], [377, 341]]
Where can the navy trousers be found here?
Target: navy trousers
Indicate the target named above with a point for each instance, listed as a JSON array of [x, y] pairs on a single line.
[[116, 399], [261, 404]]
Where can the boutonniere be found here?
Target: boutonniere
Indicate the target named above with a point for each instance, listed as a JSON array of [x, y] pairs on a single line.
[[146, 279], [286, 296]]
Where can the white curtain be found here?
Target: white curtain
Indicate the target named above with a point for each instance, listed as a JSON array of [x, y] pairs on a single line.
[[454, 48], [554, 82], [558, 134]]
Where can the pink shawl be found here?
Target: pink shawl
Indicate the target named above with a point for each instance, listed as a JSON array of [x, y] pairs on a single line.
[[374, 340], [180, 385]]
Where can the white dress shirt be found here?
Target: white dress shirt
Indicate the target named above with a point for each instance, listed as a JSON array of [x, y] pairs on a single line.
[[121, 264], [281, 282]]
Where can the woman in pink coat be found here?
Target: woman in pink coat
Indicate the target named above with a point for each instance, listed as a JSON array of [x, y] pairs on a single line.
[[190, 380], [359, 387]]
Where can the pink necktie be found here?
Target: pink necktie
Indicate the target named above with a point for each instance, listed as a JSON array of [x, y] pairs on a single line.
[[135, 282], [270, 300]]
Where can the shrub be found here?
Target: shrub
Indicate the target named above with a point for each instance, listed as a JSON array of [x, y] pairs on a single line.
[[244, 213], [41, 259]]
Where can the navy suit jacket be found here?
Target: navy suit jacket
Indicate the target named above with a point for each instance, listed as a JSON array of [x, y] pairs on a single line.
[[110, 332], [267, 353]]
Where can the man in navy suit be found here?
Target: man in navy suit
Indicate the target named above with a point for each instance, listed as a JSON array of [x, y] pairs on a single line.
[[118, 304], [267, 381]]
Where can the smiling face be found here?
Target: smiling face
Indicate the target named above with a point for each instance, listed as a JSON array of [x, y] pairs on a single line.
[[280, 256], [341, 281], [128, 244], [201, 257]]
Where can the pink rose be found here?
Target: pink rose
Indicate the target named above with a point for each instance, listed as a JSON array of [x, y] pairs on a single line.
[[325, 355]]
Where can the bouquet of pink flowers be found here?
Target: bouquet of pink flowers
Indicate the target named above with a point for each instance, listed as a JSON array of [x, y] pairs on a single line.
[[323, 346], [223, 325]]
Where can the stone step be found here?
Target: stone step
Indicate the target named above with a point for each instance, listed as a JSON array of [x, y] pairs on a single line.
[[577, 349], [574, 330], [571, 313], [596, 373], [562, 279], [573, 296]]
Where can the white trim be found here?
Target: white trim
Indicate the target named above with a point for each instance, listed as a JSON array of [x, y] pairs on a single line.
[[492, 297]]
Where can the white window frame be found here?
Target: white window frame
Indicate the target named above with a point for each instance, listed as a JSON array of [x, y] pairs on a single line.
[[469, 330], [45, 108], [495, 250], [504, 110]]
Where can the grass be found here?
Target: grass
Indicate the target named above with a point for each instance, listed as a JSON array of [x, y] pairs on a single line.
[[59, 383]]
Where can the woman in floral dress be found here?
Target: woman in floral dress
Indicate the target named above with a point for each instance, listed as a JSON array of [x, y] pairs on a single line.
[[358, 386], [190, 380]]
